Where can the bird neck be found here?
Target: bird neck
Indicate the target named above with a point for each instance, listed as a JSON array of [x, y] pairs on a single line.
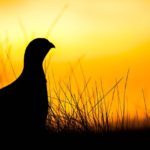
[[33, 69]]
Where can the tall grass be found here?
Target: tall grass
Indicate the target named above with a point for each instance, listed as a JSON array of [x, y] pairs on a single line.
[[89, 107]]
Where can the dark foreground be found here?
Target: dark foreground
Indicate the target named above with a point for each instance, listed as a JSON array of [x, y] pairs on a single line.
[[125, 138], [85, 140]]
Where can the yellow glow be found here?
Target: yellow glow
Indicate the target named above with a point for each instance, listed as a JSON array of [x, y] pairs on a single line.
[[112, 36]]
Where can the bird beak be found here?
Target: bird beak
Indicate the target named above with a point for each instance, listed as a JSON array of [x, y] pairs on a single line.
[[52, 45]]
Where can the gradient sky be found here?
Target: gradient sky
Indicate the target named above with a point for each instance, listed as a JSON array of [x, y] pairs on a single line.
[[112, 35], [96, 27]]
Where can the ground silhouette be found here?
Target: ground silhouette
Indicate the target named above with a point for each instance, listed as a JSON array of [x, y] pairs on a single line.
[[24, 103]]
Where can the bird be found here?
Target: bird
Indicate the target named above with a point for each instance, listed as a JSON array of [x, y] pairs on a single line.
[[24, 102]]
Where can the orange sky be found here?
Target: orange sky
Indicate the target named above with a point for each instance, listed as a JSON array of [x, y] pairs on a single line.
[[113, 36]]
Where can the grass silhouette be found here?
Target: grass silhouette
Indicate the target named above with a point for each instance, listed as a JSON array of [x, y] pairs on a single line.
[[87, 110], [85, 113]]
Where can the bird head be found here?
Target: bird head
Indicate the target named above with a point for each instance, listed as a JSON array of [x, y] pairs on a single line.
[[37, 50]]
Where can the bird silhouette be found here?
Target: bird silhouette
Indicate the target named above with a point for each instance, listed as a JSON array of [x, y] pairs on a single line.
[[24, 103]]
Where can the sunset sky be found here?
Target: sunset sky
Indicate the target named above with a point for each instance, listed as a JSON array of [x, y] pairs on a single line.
[[110, 37]]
